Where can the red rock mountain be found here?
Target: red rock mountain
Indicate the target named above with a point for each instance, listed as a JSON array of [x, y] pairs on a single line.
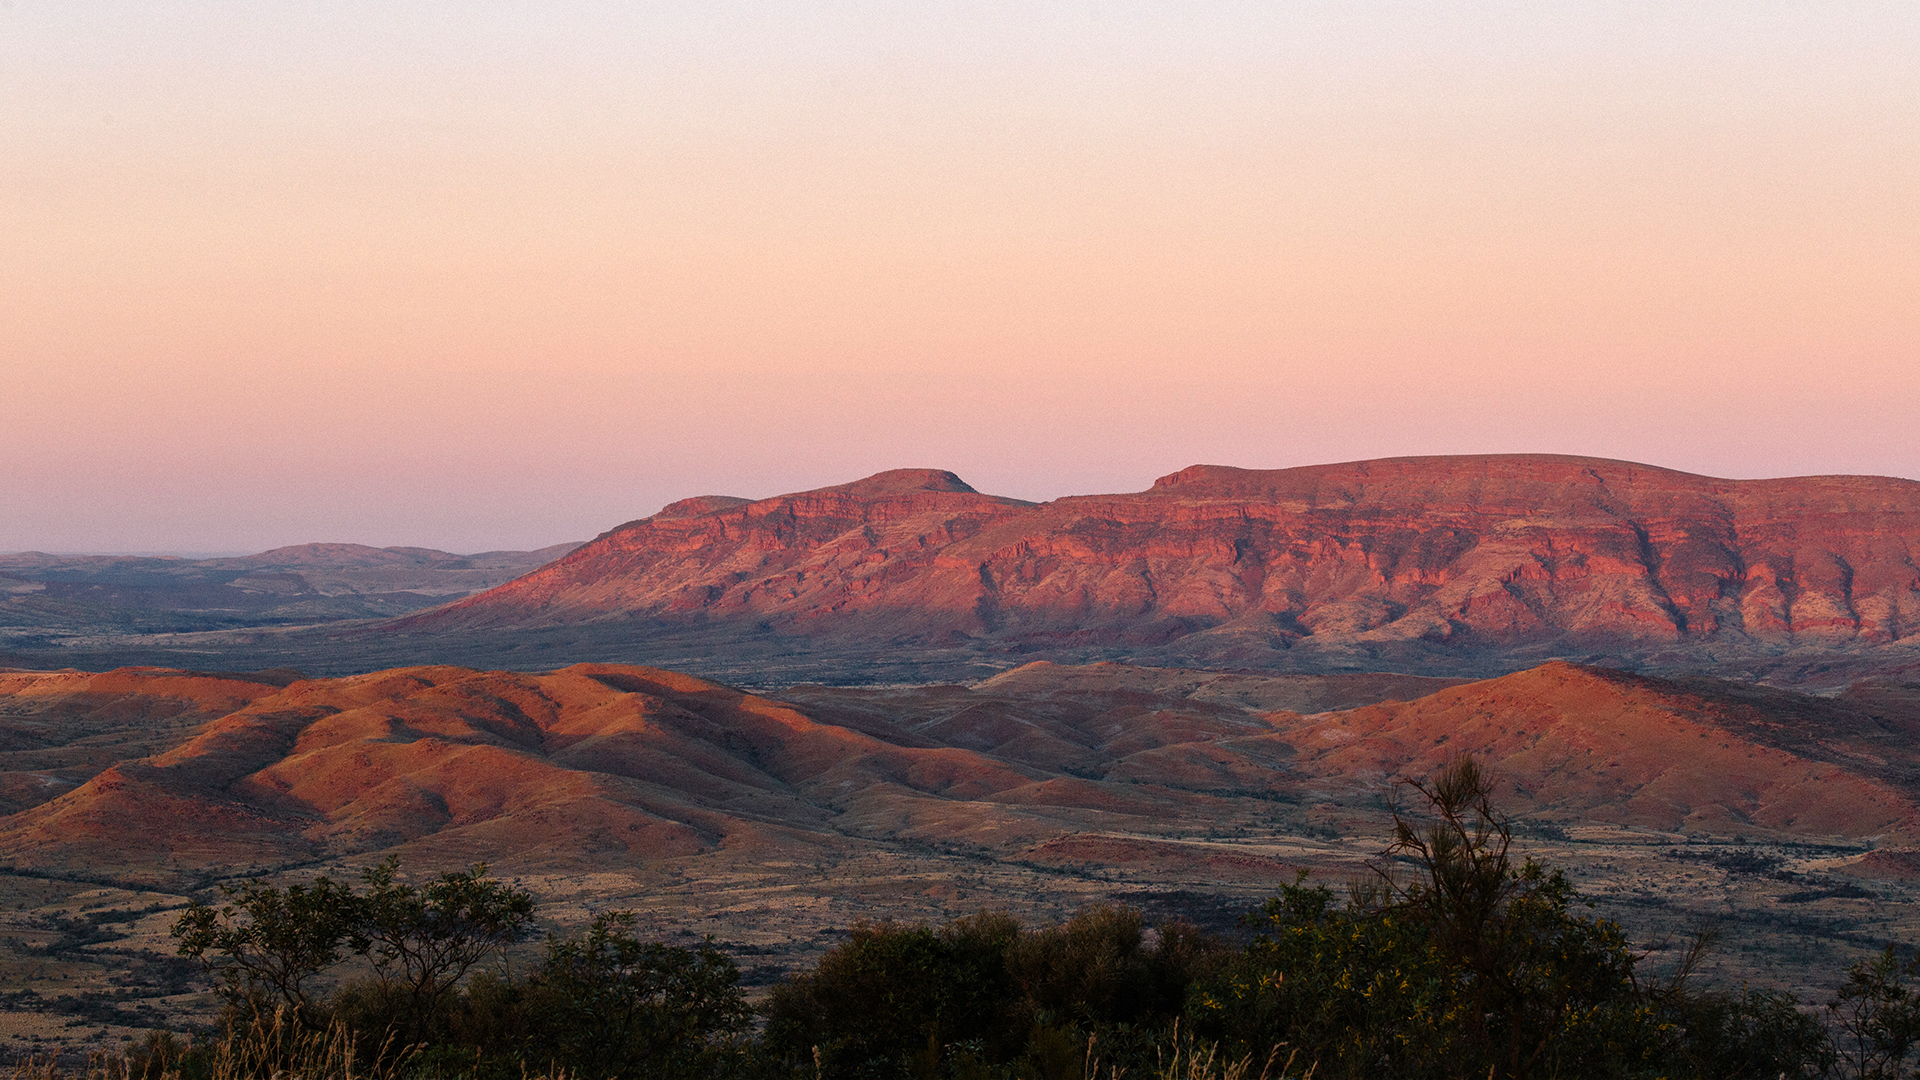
[[1365, 559]]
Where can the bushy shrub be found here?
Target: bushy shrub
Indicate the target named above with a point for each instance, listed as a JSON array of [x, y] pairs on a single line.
[[888, 993], [1876, 1016], [267, 944], [1469, 965], [983, 992], [1751, 1035], [609, 1005]]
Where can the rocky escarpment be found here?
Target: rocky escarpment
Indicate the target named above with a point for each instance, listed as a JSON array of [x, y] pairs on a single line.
[[1445, 555]]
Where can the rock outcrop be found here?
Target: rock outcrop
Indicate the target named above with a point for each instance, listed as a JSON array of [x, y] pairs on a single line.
[[1521, 555]]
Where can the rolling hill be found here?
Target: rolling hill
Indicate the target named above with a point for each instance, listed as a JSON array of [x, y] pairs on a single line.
[[164, 776]]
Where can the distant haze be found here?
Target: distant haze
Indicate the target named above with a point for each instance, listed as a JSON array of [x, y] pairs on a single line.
[[494, 276]]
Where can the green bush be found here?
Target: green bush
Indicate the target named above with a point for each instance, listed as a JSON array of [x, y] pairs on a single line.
[[608, 1005], [1876, 1017], [888, 993], [1751, 1035], [983, 993], [1469, 965], [267, 944]]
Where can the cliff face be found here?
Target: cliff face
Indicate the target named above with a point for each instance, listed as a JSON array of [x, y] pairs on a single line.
[[1483, 552]]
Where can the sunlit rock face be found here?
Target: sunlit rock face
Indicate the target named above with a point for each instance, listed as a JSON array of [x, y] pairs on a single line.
[[1451, 553]]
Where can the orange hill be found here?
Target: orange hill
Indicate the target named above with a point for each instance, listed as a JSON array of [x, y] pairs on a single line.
[[602, 765]]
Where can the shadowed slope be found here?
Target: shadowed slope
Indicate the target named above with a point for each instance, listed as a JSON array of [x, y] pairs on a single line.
[[60, 728]]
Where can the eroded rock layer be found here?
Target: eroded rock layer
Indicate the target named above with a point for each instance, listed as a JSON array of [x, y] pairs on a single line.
[[1451, 554]]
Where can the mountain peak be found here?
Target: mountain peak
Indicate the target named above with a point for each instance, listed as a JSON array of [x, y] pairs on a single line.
[[698, 505], [905, 482]]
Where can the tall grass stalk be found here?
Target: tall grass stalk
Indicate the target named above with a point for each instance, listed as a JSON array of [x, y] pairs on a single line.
[[278, 1047], [1204, 1061], [265, 1048]]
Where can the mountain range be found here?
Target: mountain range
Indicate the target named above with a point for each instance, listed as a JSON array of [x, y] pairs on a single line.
[[1447, 566], [45, 596], [1444, 565]]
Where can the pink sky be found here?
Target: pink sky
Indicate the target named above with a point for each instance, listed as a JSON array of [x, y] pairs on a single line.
[[498, 275]]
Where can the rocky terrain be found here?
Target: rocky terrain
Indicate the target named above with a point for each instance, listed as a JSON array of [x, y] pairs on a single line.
[[775, 820], [1451, 565]]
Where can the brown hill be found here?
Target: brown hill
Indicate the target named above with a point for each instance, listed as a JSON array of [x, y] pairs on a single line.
[[60, 728], [1568, 744], [1585, 745], [1445, 560], [590, 765]]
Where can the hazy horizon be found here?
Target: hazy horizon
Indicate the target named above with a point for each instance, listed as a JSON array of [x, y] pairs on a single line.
[[238, 553], [497, 276]]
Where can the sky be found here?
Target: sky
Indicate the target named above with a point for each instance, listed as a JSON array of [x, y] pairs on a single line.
[[498, 275]]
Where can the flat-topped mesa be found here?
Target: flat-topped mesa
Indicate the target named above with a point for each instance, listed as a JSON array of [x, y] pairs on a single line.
[[1502, 486], [1411, 474], [1470, 555], [1532, 483], [667, 563]]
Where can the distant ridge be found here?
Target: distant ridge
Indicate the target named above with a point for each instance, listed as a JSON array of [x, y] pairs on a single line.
[[1501, 559], [42, 594]]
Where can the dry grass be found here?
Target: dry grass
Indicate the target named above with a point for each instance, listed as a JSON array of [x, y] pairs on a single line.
[[1190, 1062], [267, 1048], [1185, 1059]]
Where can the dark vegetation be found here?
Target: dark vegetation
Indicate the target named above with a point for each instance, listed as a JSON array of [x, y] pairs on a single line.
[[1457, 960]]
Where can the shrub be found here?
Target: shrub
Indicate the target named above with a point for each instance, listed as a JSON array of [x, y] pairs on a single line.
[[1752, 1035], [982, 992], [1876, 1015], [267, 944], [608, 1005], [1471, 965]]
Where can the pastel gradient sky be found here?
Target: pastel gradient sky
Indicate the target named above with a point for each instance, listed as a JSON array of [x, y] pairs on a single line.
[[479, 275]]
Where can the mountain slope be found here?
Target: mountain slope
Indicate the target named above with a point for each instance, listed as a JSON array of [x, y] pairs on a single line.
[[1465, 557], [1586, 745]]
